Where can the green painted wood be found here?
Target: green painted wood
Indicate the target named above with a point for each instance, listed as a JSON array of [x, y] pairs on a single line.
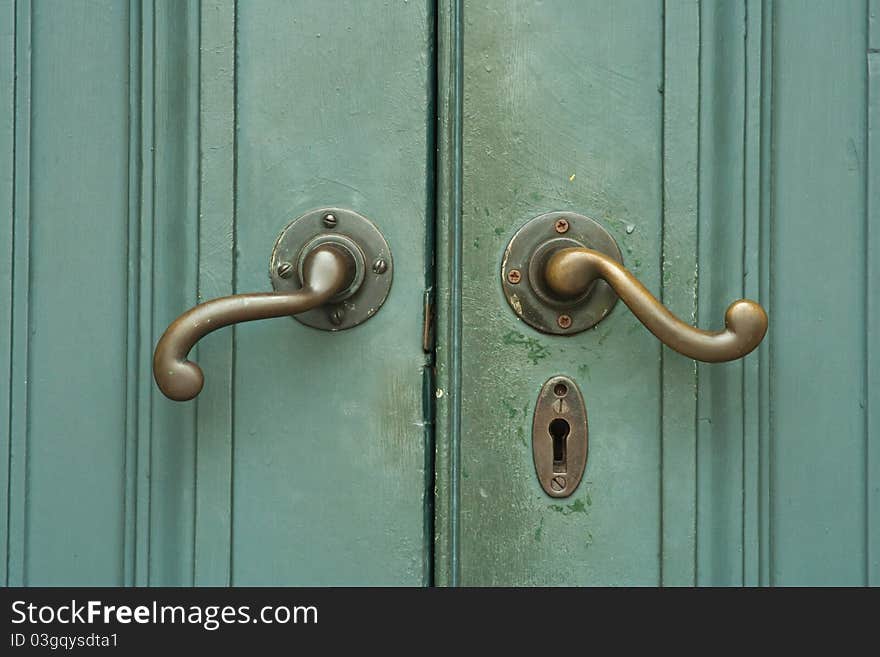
[[71, 265], [722, 210], [142, 61], [19, 302], [151, 151], [751, 278], [681, 106], [447, 380], [757, 256], [872, 296], [7, 216], [562, 109], [133, 363], [216, 278], [129, 126], [817, 386], [175, 269], [332, 107], [734, 248], [753, 163]]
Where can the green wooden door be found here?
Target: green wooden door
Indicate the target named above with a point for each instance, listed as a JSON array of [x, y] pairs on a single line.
[[732, 150], [153, 150], [152, 153]]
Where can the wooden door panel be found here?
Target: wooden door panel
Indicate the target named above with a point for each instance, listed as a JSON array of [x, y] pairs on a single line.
[[152, 152], [562, 109], [729, 148], [329, 482]]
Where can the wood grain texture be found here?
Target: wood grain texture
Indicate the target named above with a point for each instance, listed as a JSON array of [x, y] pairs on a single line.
[[757, 258], [784, 484], [7, 217], [872, 296], [175, 242], [125, 114], [134, 545], [817, 384], [150, 152], [70, 276], [332, 107], [734, 252], [213, 558], [681, 107], [553, 121], [19, 303], [447, 381], [721, 230]]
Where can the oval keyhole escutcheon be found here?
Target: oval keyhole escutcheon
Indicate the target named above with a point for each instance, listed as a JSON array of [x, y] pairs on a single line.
[[560, 436]]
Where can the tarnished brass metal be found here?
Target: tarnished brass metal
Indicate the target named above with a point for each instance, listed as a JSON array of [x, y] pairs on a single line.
[[564, 283], [571, 271], [327, 270], [560, 442], [354, 233], [522, 273]]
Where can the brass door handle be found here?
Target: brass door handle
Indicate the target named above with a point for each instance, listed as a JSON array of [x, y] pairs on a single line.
[[563, 272], [570, 272], [327, 270], [331, 269]]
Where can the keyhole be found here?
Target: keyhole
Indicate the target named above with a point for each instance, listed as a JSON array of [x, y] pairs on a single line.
[[559, 429]]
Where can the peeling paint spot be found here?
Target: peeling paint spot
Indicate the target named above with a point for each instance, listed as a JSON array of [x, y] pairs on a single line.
[[584, 371], [511, 411], [577, 506], [517, 305], [438, 393], [535, 350]]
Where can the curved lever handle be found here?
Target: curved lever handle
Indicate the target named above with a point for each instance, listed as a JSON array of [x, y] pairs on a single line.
[[570, 272], [327, 270]]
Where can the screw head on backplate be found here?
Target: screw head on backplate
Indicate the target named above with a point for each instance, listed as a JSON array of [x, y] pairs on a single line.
[[337, 315], [285, 270], [330, 220], [561, 226], [514, 276]]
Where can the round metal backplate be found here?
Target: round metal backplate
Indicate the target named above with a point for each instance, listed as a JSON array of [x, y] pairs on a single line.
[[524, 261], [352, 232]]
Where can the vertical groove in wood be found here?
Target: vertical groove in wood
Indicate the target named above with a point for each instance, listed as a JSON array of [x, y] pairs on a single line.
[[213, 521], [145, 110], [20, 323], [133, 366], [720, 428], [872, 300], [680, 198], [235, 147], [448, 318], [456, 312], [175, 271], [429, 305], [873, 25], [765, 290], [7, 207], [753, 200], [818, 414]]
